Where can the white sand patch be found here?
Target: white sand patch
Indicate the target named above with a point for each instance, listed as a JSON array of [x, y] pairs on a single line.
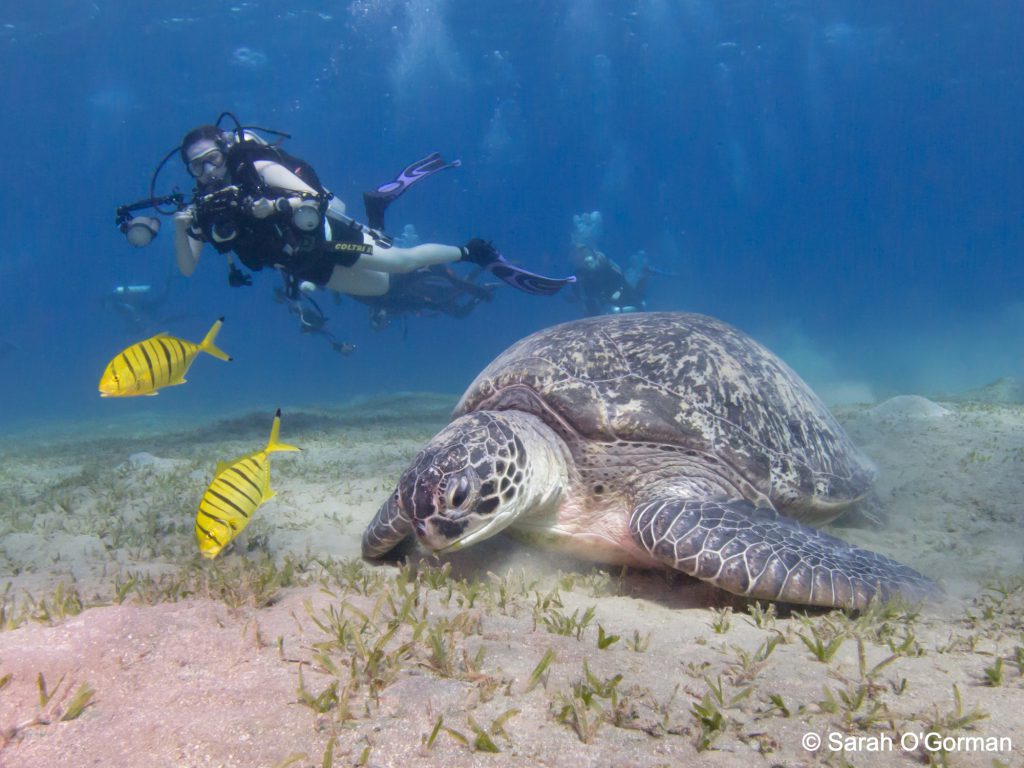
[[147, 461], [908, 407]]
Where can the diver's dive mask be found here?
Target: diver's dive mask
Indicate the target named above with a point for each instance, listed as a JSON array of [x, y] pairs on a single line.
[[213, 157], [140, 230]]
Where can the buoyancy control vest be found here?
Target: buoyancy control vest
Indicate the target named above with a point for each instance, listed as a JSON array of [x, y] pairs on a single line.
[[228, 225]]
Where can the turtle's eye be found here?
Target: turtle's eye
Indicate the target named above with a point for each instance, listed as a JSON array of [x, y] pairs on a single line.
[[458, 493]]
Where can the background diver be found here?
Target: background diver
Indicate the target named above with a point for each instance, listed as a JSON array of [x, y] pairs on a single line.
[[430, 291], [140, 305], [271, 210], [603, 287]]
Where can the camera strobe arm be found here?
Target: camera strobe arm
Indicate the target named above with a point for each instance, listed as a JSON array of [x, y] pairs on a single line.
[[124, 212]]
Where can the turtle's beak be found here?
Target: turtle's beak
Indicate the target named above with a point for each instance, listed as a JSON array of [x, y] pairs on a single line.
[[439, 534], [444, 536], [455, 546]]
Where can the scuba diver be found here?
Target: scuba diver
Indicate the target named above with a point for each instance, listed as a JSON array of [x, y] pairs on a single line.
[[431, 291], [602, 286], [270, 209], [139, 305]]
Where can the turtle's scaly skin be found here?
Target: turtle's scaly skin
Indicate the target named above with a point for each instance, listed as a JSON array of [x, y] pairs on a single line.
[[650, 439]]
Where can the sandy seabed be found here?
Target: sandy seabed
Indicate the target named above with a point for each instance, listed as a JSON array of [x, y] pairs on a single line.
[[288, 651]]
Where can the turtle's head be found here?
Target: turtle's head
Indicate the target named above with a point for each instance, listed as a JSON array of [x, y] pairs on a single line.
[[476, 476]]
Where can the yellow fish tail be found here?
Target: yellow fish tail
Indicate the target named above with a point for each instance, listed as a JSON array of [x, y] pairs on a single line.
[[273, 444], [207, 345]]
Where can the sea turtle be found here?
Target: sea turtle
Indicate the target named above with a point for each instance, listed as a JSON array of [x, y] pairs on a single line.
[[650, 440]]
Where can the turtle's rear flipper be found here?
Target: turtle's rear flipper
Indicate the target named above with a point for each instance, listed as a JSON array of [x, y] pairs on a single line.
[[390, 527], [758, 553]]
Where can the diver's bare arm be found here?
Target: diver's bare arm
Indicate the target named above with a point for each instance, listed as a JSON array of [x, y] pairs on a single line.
[[277, 176], [400, 260], [186, 248]]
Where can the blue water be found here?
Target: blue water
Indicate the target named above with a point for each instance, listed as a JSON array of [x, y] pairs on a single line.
[[841, 179]]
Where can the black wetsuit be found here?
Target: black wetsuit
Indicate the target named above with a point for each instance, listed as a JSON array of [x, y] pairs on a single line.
[[604, 288], [597, 285], [226, 222]]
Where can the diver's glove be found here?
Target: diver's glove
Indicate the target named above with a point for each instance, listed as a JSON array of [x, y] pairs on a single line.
[[237, 278], [479, 252]]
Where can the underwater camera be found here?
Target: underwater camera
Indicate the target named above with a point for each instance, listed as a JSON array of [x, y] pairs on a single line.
[[140, 230], [221, 209]]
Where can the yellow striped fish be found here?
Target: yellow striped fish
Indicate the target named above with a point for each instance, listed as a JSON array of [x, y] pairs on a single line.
[[160, 361], [238, 488]]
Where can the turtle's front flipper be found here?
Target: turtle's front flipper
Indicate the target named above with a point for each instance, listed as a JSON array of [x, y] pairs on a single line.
[[759, 553], [388, 529]]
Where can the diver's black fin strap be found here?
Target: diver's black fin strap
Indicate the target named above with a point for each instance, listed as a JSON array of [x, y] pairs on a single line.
[[526, 281], [377, 201]]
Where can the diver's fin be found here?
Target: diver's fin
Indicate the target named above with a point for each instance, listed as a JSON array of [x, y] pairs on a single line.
[[207, 345], [526, 281], [275, 430], [377, 201]]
